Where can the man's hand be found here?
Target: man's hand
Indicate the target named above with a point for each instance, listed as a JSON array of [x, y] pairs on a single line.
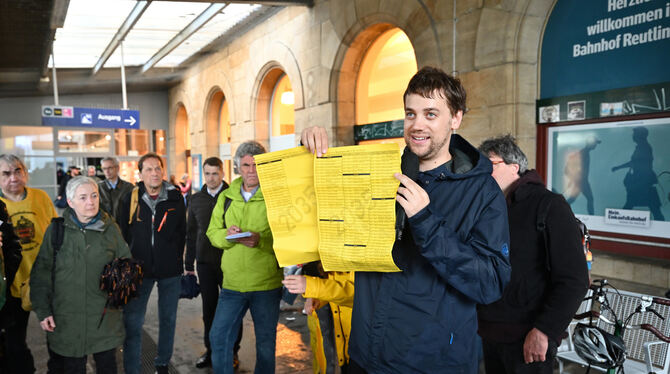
[[232, 230], [535, 346], [0, 238], [250, 241], [315, 139], [296, 284], [186, 272], [309, 306], [412, 197], [48, 324]]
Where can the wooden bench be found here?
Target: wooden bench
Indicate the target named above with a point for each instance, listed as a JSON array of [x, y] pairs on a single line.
[[645, 352]]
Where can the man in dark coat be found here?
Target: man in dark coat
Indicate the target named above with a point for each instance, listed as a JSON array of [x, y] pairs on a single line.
[[198, 247], [453, 251], [153, 222], [113, 189], [521, 331]]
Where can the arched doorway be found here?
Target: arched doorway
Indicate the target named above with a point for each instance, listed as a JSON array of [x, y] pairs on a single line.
[[182, 143], [360, 65], [218, 131], [387, 66], [275, 118]]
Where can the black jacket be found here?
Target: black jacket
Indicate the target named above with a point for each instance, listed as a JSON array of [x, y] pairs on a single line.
[[159, 245], [11, 259], [541, 294], [110, 199], [198, 246]]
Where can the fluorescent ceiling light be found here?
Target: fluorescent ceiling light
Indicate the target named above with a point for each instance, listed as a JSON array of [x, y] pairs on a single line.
[[90, 26], [217, 26]]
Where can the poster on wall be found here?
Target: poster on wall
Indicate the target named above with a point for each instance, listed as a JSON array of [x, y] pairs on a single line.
[[615, 175]]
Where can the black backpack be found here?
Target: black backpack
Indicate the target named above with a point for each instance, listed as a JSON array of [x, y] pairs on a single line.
[[543, 211]]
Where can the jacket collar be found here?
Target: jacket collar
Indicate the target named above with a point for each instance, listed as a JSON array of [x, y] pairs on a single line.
[[518, 190], [233, 191], [168, 192], [466, 161], [98, 223]]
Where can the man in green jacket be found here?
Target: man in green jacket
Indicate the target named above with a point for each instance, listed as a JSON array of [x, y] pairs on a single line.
[[251, 276]]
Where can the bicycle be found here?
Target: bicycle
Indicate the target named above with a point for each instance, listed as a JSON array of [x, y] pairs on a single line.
[[609, 349]]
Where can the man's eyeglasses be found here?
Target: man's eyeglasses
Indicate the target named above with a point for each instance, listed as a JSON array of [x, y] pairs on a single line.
[[497, 162]]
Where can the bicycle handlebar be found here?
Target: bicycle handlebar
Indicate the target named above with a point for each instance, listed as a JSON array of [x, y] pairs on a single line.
[[660, 300], [589, 314], [653, 330], [645, 326], [595, 315]]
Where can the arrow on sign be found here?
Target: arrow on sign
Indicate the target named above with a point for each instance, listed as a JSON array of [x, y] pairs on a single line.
[[130, 120]]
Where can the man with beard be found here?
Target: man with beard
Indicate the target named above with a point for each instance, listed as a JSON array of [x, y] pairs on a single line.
[[453, 253]]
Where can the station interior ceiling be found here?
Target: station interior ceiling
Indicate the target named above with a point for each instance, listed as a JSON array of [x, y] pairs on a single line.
[[28, 29]]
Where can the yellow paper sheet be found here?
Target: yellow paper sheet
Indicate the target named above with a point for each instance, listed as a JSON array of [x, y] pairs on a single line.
[[286, 179], [352, 189], [355, 190]]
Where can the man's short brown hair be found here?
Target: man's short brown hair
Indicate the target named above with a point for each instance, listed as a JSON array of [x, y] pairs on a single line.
[[430, 79], [213, 161], [140, 163]]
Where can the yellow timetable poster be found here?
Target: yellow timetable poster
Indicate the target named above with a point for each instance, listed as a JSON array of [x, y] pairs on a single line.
[[287, 181], [339, 208]]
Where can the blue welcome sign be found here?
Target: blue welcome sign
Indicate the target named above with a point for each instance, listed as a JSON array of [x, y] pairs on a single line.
[[600, 45], [90, 117]]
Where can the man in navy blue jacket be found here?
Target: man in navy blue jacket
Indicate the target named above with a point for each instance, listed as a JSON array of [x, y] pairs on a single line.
[[454, 251]]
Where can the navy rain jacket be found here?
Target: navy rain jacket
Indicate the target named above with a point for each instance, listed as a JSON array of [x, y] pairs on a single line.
[[454, 255]]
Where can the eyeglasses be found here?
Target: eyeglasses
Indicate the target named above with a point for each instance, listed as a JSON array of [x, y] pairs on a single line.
[[497, 162]]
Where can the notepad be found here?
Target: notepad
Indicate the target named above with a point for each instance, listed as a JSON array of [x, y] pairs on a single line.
[[245, 234]]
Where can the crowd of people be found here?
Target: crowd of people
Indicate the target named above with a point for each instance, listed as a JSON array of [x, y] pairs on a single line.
[[472, 258]]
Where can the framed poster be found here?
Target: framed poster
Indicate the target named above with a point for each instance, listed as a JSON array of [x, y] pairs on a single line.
[[614, 175]]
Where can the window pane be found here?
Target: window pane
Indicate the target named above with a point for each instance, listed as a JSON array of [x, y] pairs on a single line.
[[387, 67], [131, 142], [70, 141], [283, 117], [26, 140], [42, 173], [159, 141], [128, 171]]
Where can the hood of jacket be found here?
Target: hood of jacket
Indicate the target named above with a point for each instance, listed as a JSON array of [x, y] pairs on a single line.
[[517, 190], [101, 224], [466, 162]]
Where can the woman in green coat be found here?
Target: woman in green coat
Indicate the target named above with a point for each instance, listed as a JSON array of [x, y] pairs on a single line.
[[69, 302]]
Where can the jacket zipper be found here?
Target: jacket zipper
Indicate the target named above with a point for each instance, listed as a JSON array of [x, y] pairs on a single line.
[[83, 231], [153, 216]]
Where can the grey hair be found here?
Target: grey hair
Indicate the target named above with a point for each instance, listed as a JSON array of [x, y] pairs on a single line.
[[76, 182], [114, 160], [12, 159], [505, 146], [248, 148]]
